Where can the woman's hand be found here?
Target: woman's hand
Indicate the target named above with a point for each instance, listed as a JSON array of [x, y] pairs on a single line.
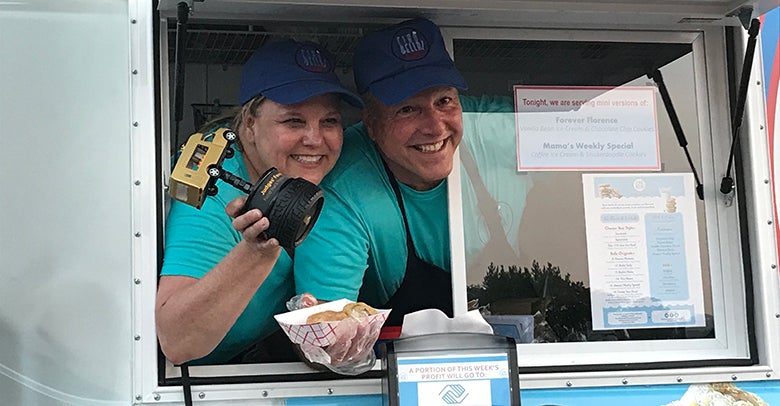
[[252, 226]]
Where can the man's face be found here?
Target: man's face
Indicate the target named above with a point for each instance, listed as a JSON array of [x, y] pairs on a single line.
[[418, 136]]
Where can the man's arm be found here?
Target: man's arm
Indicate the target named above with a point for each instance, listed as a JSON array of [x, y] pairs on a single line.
[[331, 262]]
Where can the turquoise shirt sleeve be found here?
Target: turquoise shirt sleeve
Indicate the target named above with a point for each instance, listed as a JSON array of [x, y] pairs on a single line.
[[331, 261], [197, 240]]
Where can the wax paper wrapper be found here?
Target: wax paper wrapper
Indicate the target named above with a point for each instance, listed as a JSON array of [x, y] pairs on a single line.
[[432, 321], [344, 346]]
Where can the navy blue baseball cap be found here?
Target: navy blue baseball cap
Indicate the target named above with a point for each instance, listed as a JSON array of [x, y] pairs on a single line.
[[290, 72], [400, 61]]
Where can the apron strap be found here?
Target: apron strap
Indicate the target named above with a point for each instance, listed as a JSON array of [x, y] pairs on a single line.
[[186, 385], [397, 190]]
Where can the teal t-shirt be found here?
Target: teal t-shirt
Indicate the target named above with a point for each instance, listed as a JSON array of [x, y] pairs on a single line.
[[196, 240], [359, 238]]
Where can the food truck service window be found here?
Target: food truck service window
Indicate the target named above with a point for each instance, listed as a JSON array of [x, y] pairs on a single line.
[[576, 222], [580, 207]]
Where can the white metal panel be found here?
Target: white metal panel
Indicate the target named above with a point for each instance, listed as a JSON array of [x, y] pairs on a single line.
[[763, 239], [65, 226], [143, 284]]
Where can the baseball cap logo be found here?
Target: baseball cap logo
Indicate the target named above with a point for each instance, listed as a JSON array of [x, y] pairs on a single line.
[[410, 44], [313, 59]]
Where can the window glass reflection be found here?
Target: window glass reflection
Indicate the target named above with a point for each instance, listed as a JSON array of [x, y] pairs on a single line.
[[525, 226]]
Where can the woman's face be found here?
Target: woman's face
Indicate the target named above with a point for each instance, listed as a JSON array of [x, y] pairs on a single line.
[[300, 140]]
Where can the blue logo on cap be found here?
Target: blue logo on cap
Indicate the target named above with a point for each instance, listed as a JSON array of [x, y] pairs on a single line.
[[313, 59], [409, 44]]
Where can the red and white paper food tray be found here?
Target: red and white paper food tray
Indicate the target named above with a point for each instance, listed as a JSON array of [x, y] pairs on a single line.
[[324, 333]]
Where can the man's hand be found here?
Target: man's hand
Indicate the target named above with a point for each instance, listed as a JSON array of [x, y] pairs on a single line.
[[351, 353], [301, 301]]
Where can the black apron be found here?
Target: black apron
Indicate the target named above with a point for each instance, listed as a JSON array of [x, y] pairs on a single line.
[[425, 285]]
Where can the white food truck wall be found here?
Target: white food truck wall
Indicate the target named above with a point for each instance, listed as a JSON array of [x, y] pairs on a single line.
[[65, 211]]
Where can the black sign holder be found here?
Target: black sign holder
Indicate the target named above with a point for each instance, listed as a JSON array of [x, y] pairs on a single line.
[[449, 365]]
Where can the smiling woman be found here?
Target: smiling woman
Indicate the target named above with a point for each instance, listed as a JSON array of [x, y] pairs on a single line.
[[223, 279]]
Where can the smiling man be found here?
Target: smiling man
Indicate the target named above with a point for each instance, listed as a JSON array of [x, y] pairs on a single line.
[[383, 234]]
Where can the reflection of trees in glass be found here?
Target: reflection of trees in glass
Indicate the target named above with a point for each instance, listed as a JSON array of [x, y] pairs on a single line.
[[561, 306]]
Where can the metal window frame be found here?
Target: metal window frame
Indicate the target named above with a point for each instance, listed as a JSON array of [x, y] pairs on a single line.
[[723, 231]]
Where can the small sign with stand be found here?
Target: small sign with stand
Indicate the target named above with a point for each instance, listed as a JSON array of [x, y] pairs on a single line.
[[451, 369]]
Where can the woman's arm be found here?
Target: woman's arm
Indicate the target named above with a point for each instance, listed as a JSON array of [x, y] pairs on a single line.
[[193, 315]]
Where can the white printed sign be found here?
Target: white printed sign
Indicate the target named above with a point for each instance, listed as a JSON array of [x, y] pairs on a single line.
[[643, 250], [455, 380], [567, 128], [452, 371]]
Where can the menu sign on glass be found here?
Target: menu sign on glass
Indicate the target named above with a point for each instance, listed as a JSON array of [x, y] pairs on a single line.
[[643, 250], [568, 128]]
